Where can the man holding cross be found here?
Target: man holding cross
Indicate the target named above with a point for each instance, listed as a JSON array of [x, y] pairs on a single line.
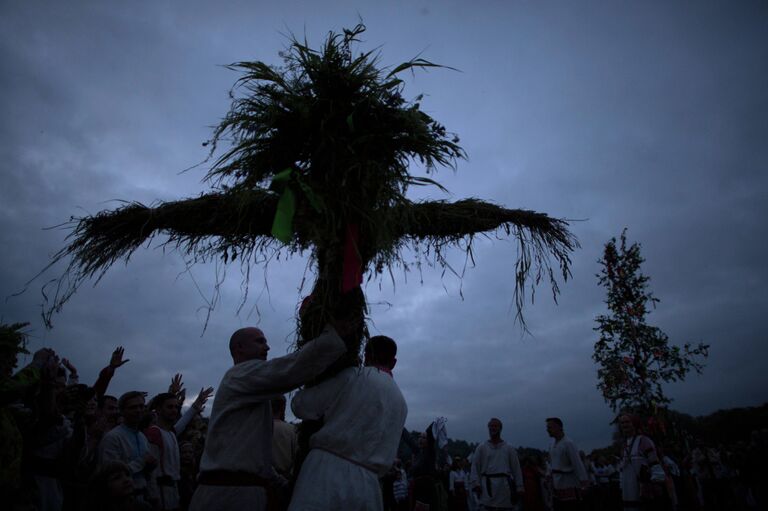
[[363, 413], [236, 467]]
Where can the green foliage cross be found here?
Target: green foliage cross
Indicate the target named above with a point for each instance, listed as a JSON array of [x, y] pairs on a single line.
[[317, 158]]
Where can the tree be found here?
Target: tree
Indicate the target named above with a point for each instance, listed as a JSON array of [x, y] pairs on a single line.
[[635, 359], [13, 341], [318, 159]]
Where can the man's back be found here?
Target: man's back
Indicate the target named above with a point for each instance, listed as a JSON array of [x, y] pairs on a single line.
[[363, 412]]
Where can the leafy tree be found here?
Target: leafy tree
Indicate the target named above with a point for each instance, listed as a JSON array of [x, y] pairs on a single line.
[[13, 341], [635, 359]]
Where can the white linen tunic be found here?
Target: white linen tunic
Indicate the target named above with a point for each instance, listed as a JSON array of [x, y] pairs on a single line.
[[501, 458], [240, 427], [285, 445], [169, 461], [565, 463], [635, 457], [129, 446], [364, 413]]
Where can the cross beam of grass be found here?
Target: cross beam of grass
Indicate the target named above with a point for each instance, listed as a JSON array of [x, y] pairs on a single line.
[[341, 124]]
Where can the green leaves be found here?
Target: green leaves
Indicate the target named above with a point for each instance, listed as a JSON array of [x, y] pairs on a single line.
[[338, 122], [624, 335], [341, 121], [416, 63], [13, 340], [425, 181]]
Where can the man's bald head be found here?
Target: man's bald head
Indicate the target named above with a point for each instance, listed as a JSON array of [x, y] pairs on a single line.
[[248, 343]]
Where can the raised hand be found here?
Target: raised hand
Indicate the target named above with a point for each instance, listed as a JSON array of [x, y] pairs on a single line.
[[176, 385], [117, 358], [202, 397]]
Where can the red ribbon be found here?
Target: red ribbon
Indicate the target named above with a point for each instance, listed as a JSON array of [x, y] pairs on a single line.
[[352, 271]]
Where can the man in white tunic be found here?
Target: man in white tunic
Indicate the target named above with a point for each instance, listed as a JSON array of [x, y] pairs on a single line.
[[236, 466], [496, 477], [363, 412], [127, 444], [567, 470], [164, 446]]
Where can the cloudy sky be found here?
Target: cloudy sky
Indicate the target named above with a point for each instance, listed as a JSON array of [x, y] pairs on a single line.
[[646, 115]]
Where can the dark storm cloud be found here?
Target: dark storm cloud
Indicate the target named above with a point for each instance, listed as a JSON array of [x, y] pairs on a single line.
[[649, 116]]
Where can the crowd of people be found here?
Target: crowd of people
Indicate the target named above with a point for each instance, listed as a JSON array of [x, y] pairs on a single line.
[[67, 445], [639, 474]]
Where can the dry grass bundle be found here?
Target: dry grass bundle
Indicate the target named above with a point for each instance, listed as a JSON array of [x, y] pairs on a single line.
[[325, 140]]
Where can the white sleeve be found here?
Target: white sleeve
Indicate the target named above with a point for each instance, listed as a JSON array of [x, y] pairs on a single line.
[[312, 403], [279, 375], [184, 420], [575, 458]]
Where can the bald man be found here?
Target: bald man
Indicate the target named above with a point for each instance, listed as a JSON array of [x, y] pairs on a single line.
[[236, 466]]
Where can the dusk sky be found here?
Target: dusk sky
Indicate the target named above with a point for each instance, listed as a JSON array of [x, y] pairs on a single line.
[[650, 116]]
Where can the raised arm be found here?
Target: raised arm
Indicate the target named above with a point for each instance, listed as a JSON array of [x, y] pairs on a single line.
[[197, 407], [73, 378], [106, 374], [266, 378]]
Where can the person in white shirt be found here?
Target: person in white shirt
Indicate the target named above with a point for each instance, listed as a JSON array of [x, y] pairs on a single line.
[[566, 468], [285, 441], [236, 466], [641, 472], [400, 486], [457, 485], [363, 413], [496, 477], [126, 443], [164, 446]]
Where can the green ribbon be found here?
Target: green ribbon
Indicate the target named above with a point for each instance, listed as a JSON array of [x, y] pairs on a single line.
[[282, 225]]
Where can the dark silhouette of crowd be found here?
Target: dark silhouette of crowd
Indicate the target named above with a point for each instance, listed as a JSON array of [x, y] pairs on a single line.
[[67, 445]]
